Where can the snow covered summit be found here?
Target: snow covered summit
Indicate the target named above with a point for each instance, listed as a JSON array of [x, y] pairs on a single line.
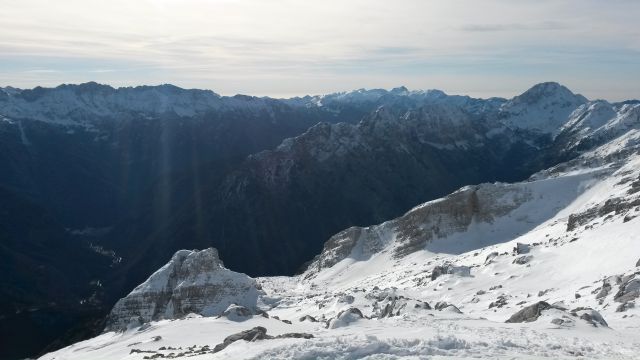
[[544, 108]]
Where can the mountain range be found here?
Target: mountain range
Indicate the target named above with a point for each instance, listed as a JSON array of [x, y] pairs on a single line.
[[120, 179]]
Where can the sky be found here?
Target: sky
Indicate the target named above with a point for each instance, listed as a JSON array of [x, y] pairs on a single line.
[[285, 48]]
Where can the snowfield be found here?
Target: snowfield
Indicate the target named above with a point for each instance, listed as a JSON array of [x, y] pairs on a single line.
[[558, 256]]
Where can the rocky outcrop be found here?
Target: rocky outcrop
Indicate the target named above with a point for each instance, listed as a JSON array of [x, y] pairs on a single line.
[[566, 318], [629, 289], [417, 228], [192, 282]]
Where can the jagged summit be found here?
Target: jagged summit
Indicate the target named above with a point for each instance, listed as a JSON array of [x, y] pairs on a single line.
[[191, 282]]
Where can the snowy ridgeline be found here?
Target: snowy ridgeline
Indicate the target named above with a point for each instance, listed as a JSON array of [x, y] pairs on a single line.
[[549, 267]]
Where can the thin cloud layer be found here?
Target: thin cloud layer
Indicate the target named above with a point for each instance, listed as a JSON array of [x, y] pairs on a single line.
[[289, 47]]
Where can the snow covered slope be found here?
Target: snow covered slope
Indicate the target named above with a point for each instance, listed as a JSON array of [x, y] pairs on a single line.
[[557, 256]]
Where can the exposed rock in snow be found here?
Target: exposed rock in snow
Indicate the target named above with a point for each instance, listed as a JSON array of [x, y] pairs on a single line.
[[450, 269], [308, 318], [521, 260], [345, 317], [444, 306], [629, 290], [591, 316], [521, 248], [529, 313], [255, 334], [490, 257], [192, 282], [236, 313]]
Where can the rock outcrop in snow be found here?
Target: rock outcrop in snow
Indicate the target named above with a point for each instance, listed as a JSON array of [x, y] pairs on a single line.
[[416, 229], [192, 282]]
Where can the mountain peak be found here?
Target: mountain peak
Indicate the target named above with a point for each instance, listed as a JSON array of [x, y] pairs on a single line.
[[544, 108], [400, 90], [549, 90]]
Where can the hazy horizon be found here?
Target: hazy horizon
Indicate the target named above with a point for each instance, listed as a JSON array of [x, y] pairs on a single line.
[[285, 48], [508, 96]]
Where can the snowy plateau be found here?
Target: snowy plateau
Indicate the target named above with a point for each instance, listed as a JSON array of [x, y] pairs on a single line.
[[544, 268]]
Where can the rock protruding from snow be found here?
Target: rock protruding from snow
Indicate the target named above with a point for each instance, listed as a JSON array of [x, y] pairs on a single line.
[[521, 248], [255, 334], [462, 271], [345, 318], [529, 313], [629, 289], [521, 260], [192, 282], [237, 313], [590, 316]]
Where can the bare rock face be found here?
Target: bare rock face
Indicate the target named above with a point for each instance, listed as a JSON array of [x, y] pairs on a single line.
[[192, 282]]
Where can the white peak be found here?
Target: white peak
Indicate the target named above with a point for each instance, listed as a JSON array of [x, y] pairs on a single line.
[[551, 90], [544, 108]]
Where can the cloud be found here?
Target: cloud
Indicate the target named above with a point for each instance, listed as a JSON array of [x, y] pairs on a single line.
[[540, 26], [291, 46]]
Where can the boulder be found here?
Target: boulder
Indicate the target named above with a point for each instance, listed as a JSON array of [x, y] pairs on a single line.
[[444, 306], [521, 248], [529, 313], [604, 291], [255, 334], [590, 316], [463, 271], [629, 290], [345, 318], [521, 260], [626, 306], [308, 318], [489, 259], [237, 313]]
